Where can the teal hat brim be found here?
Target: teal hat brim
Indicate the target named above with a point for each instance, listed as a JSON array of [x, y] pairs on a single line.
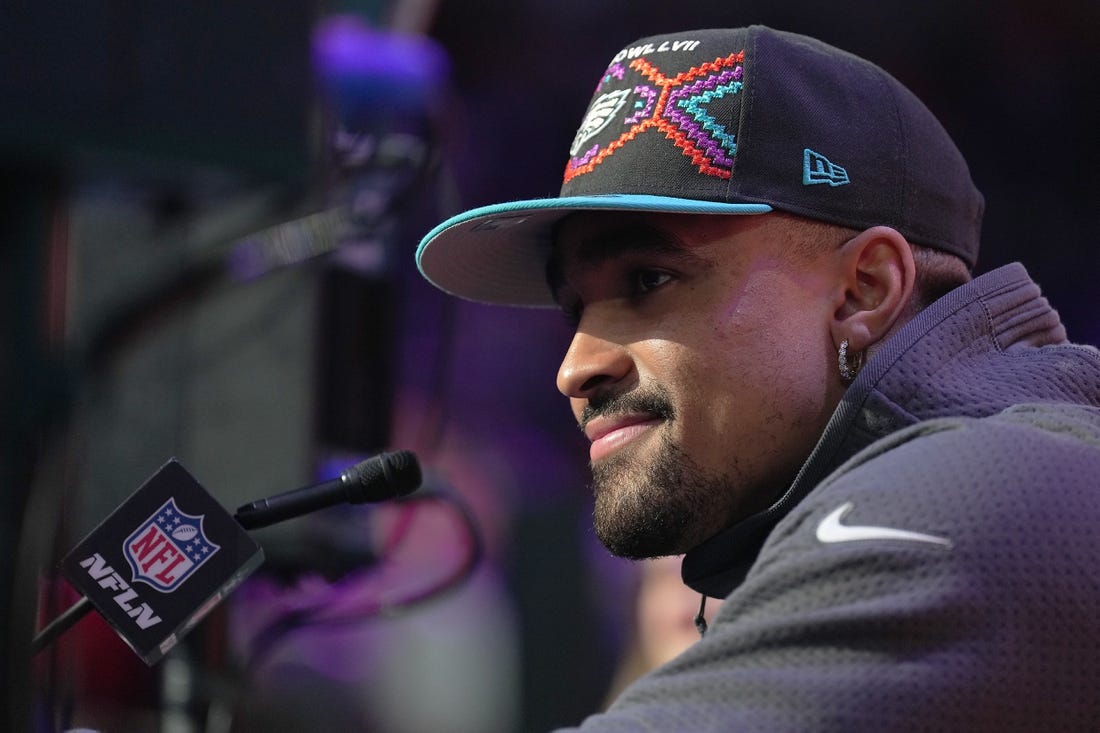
[[498, 254]]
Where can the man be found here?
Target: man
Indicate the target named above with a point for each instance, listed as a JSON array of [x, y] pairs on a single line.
[[887, 469]]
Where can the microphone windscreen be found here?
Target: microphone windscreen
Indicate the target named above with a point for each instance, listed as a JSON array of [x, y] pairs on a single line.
[[385, 476]]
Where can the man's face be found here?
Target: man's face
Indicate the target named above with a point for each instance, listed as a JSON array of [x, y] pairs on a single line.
[[702, 367]]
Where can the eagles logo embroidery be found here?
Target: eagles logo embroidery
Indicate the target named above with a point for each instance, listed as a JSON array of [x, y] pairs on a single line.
[[686, 108], [603, 109]]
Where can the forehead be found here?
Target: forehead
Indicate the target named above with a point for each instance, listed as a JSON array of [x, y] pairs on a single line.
[[589, 239]]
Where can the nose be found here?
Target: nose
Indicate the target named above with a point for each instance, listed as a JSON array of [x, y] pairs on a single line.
[[591, 364]]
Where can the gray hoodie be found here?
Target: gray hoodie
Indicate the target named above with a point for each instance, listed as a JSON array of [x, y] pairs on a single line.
[[936, 563]]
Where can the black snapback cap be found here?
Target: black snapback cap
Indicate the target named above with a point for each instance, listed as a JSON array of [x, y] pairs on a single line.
[[739, 121]]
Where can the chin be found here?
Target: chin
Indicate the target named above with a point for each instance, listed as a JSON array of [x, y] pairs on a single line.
[[664, 505]]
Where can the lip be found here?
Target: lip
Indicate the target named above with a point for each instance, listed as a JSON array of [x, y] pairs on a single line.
[[609, 434]]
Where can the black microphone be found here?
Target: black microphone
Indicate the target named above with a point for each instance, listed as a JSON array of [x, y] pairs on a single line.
[[385, 476]]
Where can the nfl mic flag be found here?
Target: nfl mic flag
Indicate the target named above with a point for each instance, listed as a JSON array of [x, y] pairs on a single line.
[[161, 561]]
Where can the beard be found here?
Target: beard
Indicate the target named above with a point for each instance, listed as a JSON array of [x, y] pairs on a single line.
[[659, 504]]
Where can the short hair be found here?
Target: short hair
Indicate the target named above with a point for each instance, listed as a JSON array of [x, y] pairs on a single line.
[[937, 272]]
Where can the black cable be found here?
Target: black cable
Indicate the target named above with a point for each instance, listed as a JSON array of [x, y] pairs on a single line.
[[268, 639], [700, 619]]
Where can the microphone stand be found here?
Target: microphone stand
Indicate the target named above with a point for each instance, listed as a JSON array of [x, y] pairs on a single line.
[[61, 624]]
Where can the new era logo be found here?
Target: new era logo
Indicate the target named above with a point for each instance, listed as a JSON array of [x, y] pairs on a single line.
[[816, 168]]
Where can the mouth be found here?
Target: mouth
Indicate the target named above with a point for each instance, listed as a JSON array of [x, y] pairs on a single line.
[[611, 433]]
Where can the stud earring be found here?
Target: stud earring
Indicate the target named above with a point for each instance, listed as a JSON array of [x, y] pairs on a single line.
[[848, 371]]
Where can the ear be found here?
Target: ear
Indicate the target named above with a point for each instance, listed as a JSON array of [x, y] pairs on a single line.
[[874, 289]]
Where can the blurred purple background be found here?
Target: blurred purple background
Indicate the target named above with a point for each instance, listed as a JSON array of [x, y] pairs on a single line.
[[146, 145]]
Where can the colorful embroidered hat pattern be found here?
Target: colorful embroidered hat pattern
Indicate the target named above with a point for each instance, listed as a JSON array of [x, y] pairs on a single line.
[[741, 121]]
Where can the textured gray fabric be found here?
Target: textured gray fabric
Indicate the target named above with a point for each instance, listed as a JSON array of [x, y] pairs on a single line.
[[978, 424]]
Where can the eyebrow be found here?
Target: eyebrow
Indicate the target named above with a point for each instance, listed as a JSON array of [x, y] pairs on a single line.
[[609, 244]]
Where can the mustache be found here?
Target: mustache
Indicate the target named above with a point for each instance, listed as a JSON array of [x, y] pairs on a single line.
[[652, 400]]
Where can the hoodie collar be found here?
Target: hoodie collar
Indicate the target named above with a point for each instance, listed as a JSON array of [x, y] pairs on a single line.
[[942, 363]]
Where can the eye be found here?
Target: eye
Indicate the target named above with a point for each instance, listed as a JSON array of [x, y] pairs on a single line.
[[646, 280]]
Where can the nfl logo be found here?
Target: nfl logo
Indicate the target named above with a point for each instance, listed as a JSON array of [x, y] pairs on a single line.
[[168, 547]]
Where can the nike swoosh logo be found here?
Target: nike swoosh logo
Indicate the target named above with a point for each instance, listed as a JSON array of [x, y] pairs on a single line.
[[831, 531]]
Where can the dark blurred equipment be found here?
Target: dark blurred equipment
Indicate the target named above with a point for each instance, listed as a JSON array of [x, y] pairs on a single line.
[[159, 84], [224, 117], [154, 91]]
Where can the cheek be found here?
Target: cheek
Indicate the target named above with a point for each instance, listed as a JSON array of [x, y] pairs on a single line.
[[761, 370], [773, 327]]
